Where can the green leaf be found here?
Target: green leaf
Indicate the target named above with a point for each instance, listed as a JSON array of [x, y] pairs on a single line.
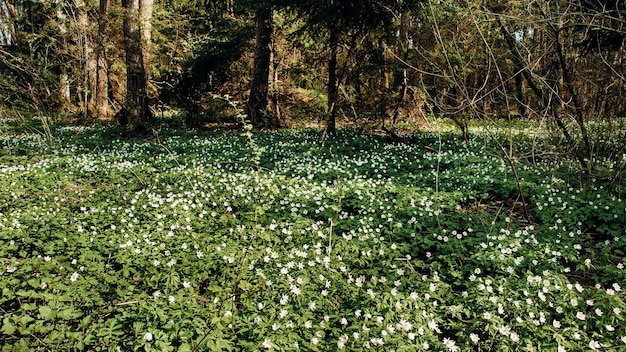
[[29, 306], [47, 313], [69, 313], [8, 326], [34, 283]]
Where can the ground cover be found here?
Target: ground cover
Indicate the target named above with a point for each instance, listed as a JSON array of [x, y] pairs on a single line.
[[206, 241]]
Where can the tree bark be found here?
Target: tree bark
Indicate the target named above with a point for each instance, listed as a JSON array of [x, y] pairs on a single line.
[[257, 101], [135, 113], [102, 74], [569, 85], [145, 22], [7, 19], [64, 81], [89, 61], [400, 81], [333, 83], [518, 67]]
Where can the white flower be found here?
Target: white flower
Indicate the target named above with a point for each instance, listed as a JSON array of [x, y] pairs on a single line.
[[556, 323], [11, 269], [579, 287], [580, 316], [342, 341], [377, 341], [147, 336], [74, 277], [186, 284], [514, 337], [314, 340], [404, 325], [450, 344], [171, 299], [267, 344], [434, 326], [474, 338], [594, 345], [505, 330]]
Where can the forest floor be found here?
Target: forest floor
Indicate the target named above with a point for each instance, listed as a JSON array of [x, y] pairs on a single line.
[[282, 240]]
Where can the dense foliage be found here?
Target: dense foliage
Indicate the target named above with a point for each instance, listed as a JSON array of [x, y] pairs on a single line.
[[278, 241]]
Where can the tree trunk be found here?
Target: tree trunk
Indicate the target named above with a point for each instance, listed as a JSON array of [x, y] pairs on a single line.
[[333, 83], [145, 22], [400, 81], [89, 60], [102, 75], [518, 67], [7, 19], [64, 90], [257, 101], [135, 113], [569, 85]]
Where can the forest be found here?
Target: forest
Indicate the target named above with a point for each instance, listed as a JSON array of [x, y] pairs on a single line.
[[240, 175]]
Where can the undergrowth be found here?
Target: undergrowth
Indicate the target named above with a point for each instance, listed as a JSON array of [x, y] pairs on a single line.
[[219, 241]]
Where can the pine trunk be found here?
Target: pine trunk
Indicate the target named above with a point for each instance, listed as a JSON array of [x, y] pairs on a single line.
[[145, 22], [135, 113], [64, 90], [7, 18], [257, 102], [102, 75], [333, 88], [89, 61]]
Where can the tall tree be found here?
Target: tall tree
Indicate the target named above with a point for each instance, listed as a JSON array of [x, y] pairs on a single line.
[[102, 76], [257, 101], [8, 16], [337, 20], [333, 79], [88, 59], [136, 112]]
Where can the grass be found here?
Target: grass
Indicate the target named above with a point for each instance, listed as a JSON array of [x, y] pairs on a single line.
[[220, 241]]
